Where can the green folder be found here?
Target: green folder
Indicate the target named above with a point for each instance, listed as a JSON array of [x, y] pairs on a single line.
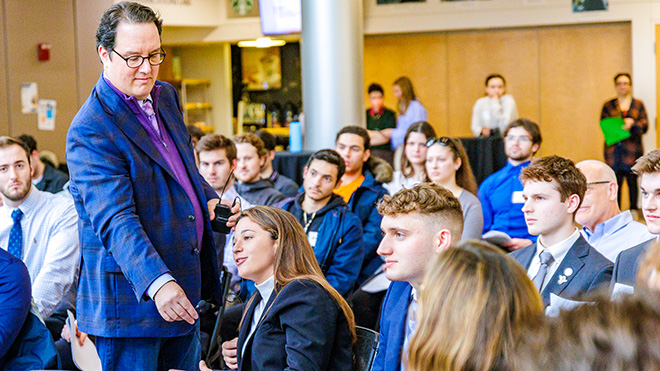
[[613, 130]]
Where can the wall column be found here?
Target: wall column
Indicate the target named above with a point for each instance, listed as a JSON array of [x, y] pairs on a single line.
[[332, 69]]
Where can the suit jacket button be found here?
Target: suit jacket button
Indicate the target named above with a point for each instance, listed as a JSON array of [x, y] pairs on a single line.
[[191, 218], [196, 251]]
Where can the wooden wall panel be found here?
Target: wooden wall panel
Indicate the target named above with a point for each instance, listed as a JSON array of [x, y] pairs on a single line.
[[28, 23], [473, 55], [560, 76], [420, 57], [577, 64], [4, 110]]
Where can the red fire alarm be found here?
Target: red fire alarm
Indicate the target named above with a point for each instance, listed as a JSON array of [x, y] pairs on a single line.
[[44, 52]]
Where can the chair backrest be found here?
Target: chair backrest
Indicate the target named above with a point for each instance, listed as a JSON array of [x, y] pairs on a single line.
[[365, 348]]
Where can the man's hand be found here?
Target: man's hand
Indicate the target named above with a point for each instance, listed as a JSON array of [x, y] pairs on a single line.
[[229, 353], [235, 210], [517, 244], [67, 336], [173, 305], [628, 123]]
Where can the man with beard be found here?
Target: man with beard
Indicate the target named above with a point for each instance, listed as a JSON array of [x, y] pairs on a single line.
[[332, 229], [501, 193], [40, 228]]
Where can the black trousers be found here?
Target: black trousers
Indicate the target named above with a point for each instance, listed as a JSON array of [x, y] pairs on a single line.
[[631, 179]]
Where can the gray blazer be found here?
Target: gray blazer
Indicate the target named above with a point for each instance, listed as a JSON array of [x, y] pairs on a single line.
[[589, 270]]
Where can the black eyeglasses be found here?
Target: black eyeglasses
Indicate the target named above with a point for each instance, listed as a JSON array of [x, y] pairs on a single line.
[[443, 141], [136, 61]]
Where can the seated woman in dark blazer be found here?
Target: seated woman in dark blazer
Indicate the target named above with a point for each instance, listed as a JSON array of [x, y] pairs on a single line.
[[294, 320]]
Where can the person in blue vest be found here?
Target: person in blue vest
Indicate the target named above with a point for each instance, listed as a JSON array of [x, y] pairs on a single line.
[[332, 229], [418, 223], [361, 188]]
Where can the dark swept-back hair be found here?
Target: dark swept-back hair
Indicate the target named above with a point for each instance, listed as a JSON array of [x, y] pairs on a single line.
[[495, 76], [29, 141], [128, 12], [421, 127], [357, 130], [6, 141], [375, 87], [331, 157], [626, 74], [212, 142], [294, 257]]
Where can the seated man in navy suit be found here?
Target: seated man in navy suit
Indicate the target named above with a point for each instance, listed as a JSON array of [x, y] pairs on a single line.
[[14, 301], [647, 168], [561, 262], [417, 224]]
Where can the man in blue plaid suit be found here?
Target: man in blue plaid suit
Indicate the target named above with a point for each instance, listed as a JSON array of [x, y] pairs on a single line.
[[147, 249]]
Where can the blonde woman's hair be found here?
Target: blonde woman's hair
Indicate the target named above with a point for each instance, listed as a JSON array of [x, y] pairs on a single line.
[[294, 258], [407, 93], [473, 303]]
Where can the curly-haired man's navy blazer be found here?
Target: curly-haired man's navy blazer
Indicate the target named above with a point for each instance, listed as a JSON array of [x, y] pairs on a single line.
[[136, 221], [589, 270]]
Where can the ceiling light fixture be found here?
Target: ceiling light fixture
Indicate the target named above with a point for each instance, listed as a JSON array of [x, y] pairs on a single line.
[[262, 42]]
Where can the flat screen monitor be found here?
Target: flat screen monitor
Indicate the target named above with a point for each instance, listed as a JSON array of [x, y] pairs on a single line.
[[280, 17]]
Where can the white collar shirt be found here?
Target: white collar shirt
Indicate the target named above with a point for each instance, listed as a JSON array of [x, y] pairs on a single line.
[[558, 251]]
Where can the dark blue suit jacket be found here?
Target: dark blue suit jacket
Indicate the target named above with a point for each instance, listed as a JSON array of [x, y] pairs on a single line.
[[136, 220], [627, 263], [590, 270], [15, 296], [302, 328], [392, 327]]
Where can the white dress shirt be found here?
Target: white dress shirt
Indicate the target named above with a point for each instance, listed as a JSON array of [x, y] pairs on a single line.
[[50, 245], [265, 289], [558, 251], [493, 113]]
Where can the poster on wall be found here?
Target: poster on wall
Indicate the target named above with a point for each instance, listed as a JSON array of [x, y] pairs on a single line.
[[29, 97], [380, 2], [262, 69], [46, 114], [589, 5]]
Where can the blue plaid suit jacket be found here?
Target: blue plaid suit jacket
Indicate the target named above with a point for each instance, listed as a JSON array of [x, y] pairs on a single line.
[[136, 221]]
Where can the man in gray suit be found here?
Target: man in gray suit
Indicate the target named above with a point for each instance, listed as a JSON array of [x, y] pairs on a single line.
[[647, 168], [561, 262]]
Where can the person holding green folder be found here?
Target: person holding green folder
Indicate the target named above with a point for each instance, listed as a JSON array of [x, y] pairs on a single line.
[[621, 148]]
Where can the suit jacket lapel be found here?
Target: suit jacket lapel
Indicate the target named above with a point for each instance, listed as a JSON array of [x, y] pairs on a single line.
[[399, 322], [573, 261], [245, 329], [128, 123], [526, 255]]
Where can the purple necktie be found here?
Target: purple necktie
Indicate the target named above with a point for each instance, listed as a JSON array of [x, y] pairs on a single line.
[[148, 108]]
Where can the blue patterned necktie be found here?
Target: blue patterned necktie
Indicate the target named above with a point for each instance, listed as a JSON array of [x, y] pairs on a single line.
[[16, 235]]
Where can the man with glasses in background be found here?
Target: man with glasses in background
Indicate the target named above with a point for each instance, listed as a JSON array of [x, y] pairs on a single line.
[[501, 193], [148, 255], [608, 229]]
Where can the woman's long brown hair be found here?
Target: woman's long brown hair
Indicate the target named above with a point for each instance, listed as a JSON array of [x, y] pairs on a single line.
[[294, 258]]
